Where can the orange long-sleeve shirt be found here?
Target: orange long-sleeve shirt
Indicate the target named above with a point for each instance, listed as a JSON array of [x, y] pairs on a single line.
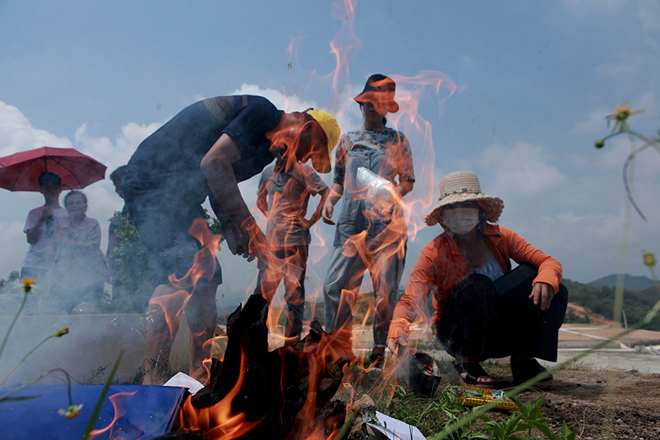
[[441, 268]]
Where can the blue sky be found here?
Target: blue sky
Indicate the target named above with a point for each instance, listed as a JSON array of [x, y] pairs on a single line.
[[533, 80]]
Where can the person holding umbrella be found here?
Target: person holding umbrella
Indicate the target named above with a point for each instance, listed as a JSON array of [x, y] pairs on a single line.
[[204, 151], [40, 225], [46, 170]]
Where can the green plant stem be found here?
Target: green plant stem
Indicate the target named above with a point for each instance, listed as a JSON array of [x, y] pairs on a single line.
[[99, 403], [32, 382], [23, 360], [522, 387], [347, 424], [11, 326], [655, 279], [625, 239], [628, 162], [653, 143]]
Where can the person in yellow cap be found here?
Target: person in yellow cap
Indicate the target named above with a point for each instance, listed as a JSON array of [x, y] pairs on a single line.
[[367, 238], [204, 151]]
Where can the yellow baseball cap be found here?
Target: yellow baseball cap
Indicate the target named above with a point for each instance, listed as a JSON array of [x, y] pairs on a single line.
[[329, 125]]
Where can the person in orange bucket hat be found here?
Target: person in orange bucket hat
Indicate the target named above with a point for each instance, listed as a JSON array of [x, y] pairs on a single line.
[[483, 308], [380, 154]]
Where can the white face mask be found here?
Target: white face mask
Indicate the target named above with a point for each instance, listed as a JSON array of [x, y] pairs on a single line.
[[461, 221]]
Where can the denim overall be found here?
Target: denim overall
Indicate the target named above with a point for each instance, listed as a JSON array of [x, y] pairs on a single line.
[[347, 268]]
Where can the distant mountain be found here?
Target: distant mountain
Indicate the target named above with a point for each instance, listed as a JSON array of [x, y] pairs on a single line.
[[599, 300], [631, 282]]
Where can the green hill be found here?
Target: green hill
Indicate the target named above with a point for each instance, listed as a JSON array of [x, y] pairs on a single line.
[[600, 300], [631, 282]]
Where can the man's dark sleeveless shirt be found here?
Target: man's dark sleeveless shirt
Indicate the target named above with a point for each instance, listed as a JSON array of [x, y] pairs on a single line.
[[170, 158]]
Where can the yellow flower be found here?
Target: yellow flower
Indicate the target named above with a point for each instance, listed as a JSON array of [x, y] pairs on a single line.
[[61, 332], [620, 115], [649, 259], [27, 284], [71, 412]]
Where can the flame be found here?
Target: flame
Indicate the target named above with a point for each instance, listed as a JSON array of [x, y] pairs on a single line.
[[405, 219], [119, 402], [167, 304], [219, 421]]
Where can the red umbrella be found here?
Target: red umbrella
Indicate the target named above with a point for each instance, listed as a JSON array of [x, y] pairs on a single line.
[[19, 172]]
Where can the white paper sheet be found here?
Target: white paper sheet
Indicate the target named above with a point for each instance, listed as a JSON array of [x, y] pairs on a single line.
[[184, 381], [395, 429]]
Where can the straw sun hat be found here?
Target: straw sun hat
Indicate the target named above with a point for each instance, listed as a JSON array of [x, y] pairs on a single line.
[[463, 186]]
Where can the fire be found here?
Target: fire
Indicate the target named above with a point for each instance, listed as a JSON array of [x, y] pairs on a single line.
[[277, 393], [171, 303], [219, 421], [405, 217], [119, 401]]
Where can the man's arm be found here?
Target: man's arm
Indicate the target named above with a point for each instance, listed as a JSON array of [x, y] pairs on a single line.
[[219, 212], [325, 192], [34, 232], [241, 230]]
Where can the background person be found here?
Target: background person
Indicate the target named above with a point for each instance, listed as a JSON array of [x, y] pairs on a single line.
[[113, 240], [283, 195], [475, 319], [204, 151], [79, 267], [385, 152], [40, 225]]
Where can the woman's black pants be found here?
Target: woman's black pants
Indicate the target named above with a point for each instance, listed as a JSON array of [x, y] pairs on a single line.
[[479, 321]]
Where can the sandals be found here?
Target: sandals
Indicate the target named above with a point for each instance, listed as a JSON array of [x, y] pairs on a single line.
[[475, 375], [524, 370]]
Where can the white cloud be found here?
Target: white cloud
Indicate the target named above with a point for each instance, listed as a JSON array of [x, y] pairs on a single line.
[[628, 65], [594, 124], [117, 152], [17, 134], [521, 170], [14, 246], [290, 103], [649, 15]]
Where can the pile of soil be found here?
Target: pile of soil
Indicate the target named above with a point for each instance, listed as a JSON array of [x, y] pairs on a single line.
[[603, 404], [589, 316]]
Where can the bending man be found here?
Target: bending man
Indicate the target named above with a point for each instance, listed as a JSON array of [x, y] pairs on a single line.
[[205, 150]]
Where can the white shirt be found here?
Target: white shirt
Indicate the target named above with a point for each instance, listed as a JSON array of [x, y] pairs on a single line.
[[38, 254], [491, 269]]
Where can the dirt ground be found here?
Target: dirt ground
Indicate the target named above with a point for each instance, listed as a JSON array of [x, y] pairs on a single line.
[[602, 404]]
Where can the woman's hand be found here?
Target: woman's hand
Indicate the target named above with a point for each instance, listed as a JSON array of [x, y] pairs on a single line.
[[542, 293], [395, 344], [305, 224]]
